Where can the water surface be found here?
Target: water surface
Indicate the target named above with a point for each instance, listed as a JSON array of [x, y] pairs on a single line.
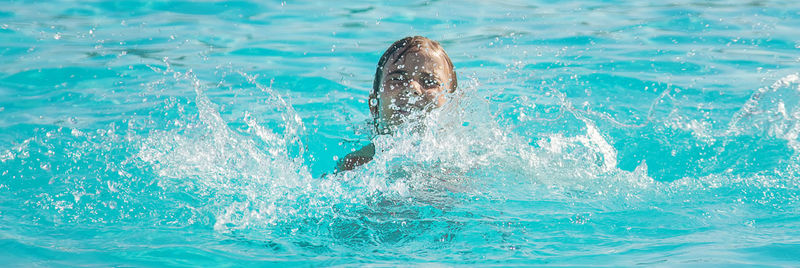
[[154, 133]]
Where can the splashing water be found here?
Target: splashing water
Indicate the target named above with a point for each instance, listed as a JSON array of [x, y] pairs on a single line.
[[663, 135]]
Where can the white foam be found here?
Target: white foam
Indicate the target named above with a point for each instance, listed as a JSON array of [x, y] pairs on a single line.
[[772, 111]]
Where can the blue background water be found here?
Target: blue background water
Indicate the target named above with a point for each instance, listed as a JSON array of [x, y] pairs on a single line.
[[583, 133]]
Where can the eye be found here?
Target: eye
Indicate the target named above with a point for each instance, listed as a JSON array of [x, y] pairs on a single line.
[[396, 79], [431, 83]]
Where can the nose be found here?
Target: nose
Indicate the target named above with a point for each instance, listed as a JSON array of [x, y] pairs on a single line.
[[415, 88]]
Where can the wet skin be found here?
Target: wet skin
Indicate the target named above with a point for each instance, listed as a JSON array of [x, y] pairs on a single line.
[[415, 81], [412, 84]]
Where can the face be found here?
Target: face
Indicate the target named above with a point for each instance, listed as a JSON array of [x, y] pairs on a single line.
[[413, 83]]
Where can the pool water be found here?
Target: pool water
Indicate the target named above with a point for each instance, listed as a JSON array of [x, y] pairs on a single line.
[[168, 133]]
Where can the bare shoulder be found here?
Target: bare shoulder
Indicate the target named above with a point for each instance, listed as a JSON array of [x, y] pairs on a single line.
[[357, 158]]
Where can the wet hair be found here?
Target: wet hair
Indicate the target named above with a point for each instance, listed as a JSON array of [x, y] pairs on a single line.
[[400, 47]]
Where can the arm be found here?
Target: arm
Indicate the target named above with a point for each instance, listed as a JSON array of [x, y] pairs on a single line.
[[357, 158]]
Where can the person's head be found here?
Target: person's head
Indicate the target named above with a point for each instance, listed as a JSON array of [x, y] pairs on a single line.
[[413, 75]]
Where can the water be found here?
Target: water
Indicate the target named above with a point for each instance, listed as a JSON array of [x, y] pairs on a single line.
[[153, 133]]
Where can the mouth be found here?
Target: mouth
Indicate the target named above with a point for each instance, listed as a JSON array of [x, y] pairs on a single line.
[[407, 110]]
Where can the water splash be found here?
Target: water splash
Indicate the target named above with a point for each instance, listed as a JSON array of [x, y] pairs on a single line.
[[772, 111], [247, 174]]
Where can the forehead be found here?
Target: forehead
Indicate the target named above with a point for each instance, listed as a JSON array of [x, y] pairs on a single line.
[[419, 56]]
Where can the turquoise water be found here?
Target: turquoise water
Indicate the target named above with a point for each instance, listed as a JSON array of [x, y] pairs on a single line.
[[150, 133]]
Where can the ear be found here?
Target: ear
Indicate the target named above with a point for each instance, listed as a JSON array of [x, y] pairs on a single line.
[[373, 105], [373, 108]]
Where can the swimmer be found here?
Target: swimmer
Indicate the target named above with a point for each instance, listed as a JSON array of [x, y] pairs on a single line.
[[412, 78]]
